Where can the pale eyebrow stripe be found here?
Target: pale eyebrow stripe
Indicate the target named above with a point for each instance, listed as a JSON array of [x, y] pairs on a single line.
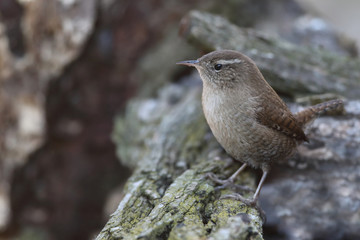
[[230, 61]]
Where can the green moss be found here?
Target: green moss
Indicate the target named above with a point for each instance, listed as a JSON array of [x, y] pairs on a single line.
[[169, 196]]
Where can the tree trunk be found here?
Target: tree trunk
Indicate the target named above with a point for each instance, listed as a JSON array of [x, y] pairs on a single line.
[[168, 144]]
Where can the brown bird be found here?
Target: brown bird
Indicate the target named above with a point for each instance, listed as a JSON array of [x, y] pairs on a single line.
[[246, 115]]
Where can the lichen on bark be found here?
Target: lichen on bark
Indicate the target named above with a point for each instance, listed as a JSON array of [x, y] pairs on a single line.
[[168, 144], [169, 195]]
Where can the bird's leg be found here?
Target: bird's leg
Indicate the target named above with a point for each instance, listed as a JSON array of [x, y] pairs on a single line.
[[230, 180], [251, 201], [258, 189]]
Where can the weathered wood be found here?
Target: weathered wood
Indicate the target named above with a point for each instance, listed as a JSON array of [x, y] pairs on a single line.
[[289, 68], [168, 143]]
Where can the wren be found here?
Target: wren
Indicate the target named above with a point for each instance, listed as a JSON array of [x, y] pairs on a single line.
[[247, 117]]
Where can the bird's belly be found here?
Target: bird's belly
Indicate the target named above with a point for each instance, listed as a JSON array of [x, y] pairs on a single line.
[[247, 140]]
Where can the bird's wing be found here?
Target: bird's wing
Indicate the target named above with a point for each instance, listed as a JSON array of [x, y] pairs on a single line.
[[274, 114]]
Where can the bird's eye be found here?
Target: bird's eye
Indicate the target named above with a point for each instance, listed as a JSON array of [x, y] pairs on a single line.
[[218, 67]]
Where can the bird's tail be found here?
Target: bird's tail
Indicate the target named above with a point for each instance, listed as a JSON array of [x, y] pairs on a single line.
[[309, 114]]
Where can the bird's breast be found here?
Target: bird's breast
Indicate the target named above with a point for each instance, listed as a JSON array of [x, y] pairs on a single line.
[[234, 125], [230, 117]]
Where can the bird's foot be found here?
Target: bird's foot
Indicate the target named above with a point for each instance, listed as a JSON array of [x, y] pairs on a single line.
[[227, 183], [214, 178], [250, 202]]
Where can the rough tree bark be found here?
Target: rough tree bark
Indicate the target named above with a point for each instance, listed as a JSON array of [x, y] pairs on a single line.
[[38, 39], [168, 144], [290, 68]]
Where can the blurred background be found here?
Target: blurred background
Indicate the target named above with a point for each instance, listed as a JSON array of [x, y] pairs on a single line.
[[68, 67]]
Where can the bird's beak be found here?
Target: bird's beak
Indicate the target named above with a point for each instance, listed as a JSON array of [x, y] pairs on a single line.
[[190, 63]]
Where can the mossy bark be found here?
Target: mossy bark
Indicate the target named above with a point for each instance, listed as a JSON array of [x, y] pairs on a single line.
[[168, 144]]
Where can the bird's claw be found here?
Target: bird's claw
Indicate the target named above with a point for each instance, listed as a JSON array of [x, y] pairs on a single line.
[[214, 178], [238, 197], [227, 183]]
